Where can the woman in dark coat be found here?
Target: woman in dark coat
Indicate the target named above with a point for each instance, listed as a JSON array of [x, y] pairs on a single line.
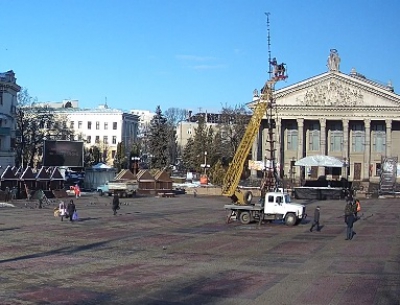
[[71, 209], [349, 220], [316, 219], [115, 204]]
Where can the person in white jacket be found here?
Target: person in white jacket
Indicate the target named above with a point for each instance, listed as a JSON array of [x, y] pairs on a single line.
[[63, 210]]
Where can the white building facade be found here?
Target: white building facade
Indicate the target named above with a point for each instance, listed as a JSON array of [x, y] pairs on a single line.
[[145, 117], [8, 106], [103, 127]]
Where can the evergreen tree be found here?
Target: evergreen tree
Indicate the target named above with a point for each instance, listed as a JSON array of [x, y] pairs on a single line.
[[120, 159], [159, 140], [217, 173], [188, 156], [200, 143], [216, 149], [172, 144]]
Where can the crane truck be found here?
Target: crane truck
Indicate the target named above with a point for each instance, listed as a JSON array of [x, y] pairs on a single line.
[[274, 205]]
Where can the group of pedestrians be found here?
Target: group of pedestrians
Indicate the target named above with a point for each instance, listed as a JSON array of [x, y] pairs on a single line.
[[353, 206], [67, 211]]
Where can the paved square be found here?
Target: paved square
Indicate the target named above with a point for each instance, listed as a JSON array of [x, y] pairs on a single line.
[[180, 251]]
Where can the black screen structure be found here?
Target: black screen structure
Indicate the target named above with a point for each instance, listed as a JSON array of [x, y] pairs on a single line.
[[63, 153]]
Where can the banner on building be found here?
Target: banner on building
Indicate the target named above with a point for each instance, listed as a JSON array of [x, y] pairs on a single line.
[[387, 182], [262, 165]]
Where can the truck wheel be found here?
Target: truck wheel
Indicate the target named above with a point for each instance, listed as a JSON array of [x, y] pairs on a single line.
[[245, 218], [290, 219], [100, 192], [248, 197]]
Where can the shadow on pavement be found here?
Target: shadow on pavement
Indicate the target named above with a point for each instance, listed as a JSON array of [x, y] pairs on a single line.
[[64, 250]]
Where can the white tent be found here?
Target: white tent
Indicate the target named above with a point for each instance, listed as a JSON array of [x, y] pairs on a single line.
[[320, 160], [98, 174], [101, 166]]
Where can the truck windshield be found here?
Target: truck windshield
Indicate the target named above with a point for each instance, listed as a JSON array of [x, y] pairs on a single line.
[[287, 198]]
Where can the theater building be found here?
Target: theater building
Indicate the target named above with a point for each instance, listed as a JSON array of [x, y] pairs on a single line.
[[347, 116]]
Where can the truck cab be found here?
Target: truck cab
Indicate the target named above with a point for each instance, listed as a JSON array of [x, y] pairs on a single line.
[[103, 190], [278, 205]]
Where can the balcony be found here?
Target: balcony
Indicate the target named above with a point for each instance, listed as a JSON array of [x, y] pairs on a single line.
[[5, 131]]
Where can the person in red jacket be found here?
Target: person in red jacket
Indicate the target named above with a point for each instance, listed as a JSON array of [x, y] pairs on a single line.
[[77, 191]]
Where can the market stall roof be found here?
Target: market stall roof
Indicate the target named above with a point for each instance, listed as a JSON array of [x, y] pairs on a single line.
[[320, 160], [15, 170], [145, 176], [42, 174], [56, 175], [125, 174], [28, 174], [9, 174], [160, 175]]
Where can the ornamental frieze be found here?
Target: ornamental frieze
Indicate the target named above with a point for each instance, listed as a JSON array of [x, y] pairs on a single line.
[[331, 93]]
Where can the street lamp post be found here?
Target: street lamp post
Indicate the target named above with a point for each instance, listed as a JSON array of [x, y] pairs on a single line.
[[346, 164], [135, 165], [205, 163]]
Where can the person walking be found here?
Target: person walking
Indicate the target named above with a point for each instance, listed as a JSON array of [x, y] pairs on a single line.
[[62, 209], [349, 219], [71, 209], [115, 204], [77, 191], [316, 219], [357, 208]]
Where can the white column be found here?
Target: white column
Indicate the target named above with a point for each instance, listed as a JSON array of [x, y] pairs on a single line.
[[300, 143], [322, 124], [345, 155], [278, 142], [388, 137], [367, 148], [322, 134]]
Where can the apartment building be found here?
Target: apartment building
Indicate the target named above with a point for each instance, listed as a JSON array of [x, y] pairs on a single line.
[[187, 129], [102, 126], [8, 105]]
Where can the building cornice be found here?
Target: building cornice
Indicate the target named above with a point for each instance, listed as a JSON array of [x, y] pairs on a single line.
[[354, 113], [345, 79]]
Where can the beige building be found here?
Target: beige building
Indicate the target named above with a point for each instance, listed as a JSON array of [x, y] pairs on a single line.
[[186, 130], [343, 115], [8, 106]]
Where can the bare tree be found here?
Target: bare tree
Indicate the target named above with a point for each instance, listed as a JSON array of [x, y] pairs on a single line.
[[233, 124], [175, 115], [35, 124]]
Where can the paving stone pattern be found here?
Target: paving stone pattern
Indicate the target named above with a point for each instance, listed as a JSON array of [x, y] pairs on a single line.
[[176, 251]]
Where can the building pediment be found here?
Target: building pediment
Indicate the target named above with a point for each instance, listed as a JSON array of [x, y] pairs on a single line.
[[337, 89]]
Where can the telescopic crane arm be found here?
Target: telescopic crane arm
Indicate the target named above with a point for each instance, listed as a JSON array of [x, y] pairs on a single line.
[[232, 177]]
